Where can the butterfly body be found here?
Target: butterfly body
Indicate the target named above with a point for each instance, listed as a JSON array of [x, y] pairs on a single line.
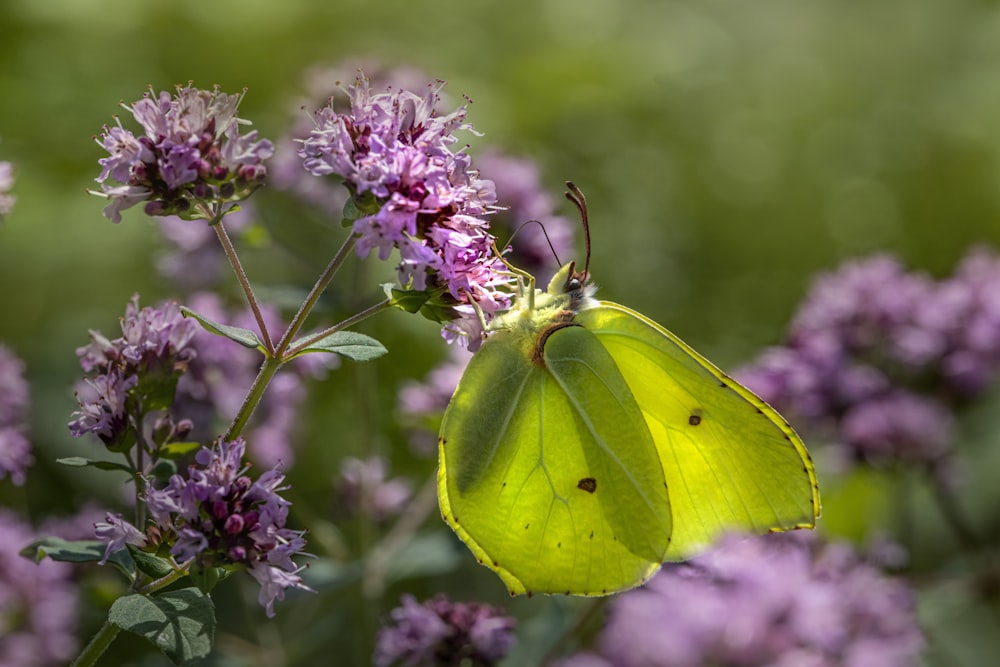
[[585, 445]]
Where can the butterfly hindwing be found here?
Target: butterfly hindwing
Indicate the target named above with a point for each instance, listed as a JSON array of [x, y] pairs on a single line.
[[730, 461]]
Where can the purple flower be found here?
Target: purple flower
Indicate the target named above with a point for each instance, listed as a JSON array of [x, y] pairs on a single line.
[[6, 185], [117, 533], [879, 358], [780, 599], [323, 85], [423, 403], [15, 450], [441, 632], [394, 149], [136, 372], [220, 516], [365, 490], [37, 602], [190, 161]]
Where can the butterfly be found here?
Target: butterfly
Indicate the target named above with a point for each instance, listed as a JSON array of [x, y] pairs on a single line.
[[585, 445]]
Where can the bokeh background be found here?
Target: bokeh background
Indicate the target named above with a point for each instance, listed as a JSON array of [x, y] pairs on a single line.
[[729, 151]]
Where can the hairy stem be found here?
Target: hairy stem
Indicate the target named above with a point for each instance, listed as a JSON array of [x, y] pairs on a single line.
[[241, 276], [321, 284], [97, 645], [256, 392], [350, 321]]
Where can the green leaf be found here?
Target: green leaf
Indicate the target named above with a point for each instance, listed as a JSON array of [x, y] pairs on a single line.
[[151, 564], [80, 462], [163, 470], [358, 207], [350, 344], [78, 551], [180, 623], [176, 450], [437, 305], [244, 337]]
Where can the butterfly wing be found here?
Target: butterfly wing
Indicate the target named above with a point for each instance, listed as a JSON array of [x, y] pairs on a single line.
[[731, 462], [548, 471]]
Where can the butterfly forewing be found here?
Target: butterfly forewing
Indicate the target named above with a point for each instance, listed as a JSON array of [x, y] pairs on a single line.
[[730, 461], [548, 472]]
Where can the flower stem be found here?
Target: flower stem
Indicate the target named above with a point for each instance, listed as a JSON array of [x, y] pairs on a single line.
[[241, 276], [256, 392], [277, 356], [97, 646], [321, 284], [350, 321]]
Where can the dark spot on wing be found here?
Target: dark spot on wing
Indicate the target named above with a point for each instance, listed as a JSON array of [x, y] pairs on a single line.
[[588, 484], [558, 545], [591, 534], [695, 418], [526, 526]]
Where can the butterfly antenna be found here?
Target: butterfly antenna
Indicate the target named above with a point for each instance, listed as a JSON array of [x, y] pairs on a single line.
[[575, 195], [545, 233]]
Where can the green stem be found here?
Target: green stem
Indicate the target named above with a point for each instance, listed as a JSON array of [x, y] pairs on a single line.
[[321, 284], [164, 581], [350, 321], [97, 646], [267, 371], [272, 362], [241, 276]]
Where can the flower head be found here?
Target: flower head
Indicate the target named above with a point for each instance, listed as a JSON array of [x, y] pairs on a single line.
[[417, 195], [322, 85], [365, 490], [440, 632], [219, 516], [138, 369], [15, 450], [780, 599], [879, 356], [190, 160]]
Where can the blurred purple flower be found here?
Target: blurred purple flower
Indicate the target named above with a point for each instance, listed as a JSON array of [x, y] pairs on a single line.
[[136, 372], [423, 403], [220, 516], [365, 490], [197, 260], [879, 357], [780, 599], [520, 192], [441, 633], [15, 450], [190, 159], [394, 149], [6, 185], [214, 387], [37, 602]]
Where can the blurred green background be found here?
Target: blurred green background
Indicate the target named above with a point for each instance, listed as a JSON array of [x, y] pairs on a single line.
[[729, 150]]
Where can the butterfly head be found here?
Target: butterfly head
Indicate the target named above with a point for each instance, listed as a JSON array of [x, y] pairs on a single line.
[[574, 286]]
